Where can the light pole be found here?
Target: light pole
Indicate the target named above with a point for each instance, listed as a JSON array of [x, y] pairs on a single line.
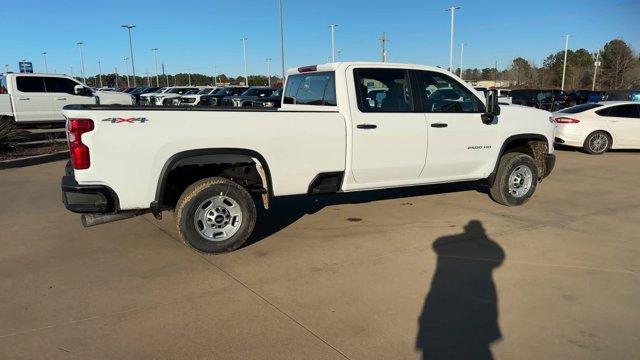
[[244, 53], [46, 68], [100, 72], [215, 75], [333, 42], [564, 67], [595, 71], [383, 45], [461, 57], [80, 44], [133, 66], [155, 55], [6, 68], [269, 70], [126, 68], [453, 17], [282, 39]]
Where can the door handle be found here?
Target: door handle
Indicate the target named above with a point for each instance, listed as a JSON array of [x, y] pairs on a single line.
[[439, 125], [366, 126], [23, 98], [61, 99]]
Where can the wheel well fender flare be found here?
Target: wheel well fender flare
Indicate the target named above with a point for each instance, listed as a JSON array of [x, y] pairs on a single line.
[[509, 140], [208, 156]]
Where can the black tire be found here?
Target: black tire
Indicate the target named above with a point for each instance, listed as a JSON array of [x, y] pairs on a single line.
[[593, 146], [199, 192], [509, 162]]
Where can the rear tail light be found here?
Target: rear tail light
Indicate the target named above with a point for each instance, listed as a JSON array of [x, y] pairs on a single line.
[[79, 151], [566, 120]]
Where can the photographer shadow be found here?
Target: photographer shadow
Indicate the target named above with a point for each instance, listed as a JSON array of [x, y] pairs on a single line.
[[459, 318]]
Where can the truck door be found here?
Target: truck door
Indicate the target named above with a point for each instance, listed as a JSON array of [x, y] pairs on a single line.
[[61, 91], [30, 99], [460, 145], [389, 135]]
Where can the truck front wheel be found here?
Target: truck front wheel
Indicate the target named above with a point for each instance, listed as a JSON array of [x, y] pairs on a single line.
[[215, 215], [516, 179]]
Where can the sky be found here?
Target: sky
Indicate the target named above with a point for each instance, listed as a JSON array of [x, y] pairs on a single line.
[[196, 35]]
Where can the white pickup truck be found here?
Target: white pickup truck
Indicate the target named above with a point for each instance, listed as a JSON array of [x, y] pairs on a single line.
[[39, 98], [342, 127]]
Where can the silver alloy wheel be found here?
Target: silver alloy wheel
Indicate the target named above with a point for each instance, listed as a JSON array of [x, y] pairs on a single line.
[[598, 142], [520, 181], [218, 218]]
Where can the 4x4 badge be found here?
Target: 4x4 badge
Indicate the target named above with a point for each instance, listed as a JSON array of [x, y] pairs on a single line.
[[126, 120]]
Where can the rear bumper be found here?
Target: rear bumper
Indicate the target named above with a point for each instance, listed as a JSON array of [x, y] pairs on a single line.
[[87, 198]]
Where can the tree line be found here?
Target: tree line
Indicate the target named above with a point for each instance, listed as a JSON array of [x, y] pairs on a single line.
[[619, 68]]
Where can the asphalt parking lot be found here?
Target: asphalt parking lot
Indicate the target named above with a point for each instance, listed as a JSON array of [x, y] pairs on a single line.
[[376, 275]]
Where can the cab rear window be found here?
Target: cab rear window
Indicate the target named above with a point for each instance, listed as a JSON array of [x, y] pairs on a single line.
[[317, 88]]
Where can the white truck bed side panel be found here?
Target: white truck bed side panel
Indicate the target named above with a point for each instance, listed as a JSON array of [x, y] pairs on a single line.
[[129, 157]]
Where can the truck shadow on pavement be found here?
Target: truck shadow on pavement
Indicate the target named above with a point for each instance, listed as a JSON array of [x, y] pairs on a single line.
[[459, 318], [287, 210]]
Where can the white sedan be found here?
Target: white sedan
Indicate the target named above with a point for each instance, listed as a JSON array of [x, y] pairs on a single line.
[[598, 127]]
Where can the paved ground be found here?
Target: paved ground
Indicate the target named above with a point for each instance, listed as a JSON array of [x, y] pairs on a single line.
[[380, 275]]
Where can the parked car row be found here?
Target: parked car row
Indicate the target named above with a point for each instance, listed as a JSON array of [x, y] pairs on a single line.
[[228, 96]]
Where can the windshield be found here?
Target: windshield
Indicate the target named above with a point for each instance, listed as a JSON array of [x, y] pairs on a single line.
[[191, 92], [579, 108], [204, 92]]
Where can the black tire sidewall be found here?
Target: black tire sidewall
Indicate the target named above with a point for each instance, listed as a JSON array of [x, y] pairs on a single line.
[[509, 165], [196, 240]]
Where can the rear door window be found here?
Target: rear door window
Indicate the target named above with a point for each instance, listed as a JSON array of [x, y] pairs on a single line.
[[626, 111], [31, 84], [384, 90], [317, 88]]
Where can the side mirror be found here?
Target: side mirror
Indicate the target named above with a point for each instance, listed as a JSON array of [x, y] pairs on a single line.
[[493, 108], [82, 91]]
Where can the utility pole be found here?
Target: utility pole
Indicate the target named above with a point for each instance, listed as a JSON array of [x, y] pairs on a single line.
[[453, 17], [566, 49], [282, 39], [461, 57], [269, 71], [46, 68], [155, 55], [117, 85], [126, 67], [383, 45], [595, 71], [215, 75], [495, 75], [166, 77], [80, 43], [133, 66], [189, 74], [333, 42], [100, 72], [244, 54]]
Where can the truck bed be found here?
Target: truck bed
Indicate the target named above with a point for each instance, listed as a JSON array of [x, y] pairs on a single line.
[[129, 146]]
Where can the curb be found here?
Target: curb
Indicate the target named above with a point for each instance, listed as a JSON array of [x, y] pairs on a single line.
[[34, 160]]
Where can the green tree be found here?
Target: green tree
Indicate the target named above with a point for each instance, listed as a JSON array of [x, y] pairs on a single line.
[[618, 63]]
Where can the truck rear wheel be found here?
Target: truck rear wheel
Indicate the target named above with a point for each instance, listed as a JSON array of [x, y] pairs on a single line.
[[215, 215], [516, 179]]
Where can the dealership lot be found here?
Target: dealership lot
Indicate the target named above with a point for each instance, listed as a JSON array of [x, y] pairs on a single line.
[[352, 276]]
